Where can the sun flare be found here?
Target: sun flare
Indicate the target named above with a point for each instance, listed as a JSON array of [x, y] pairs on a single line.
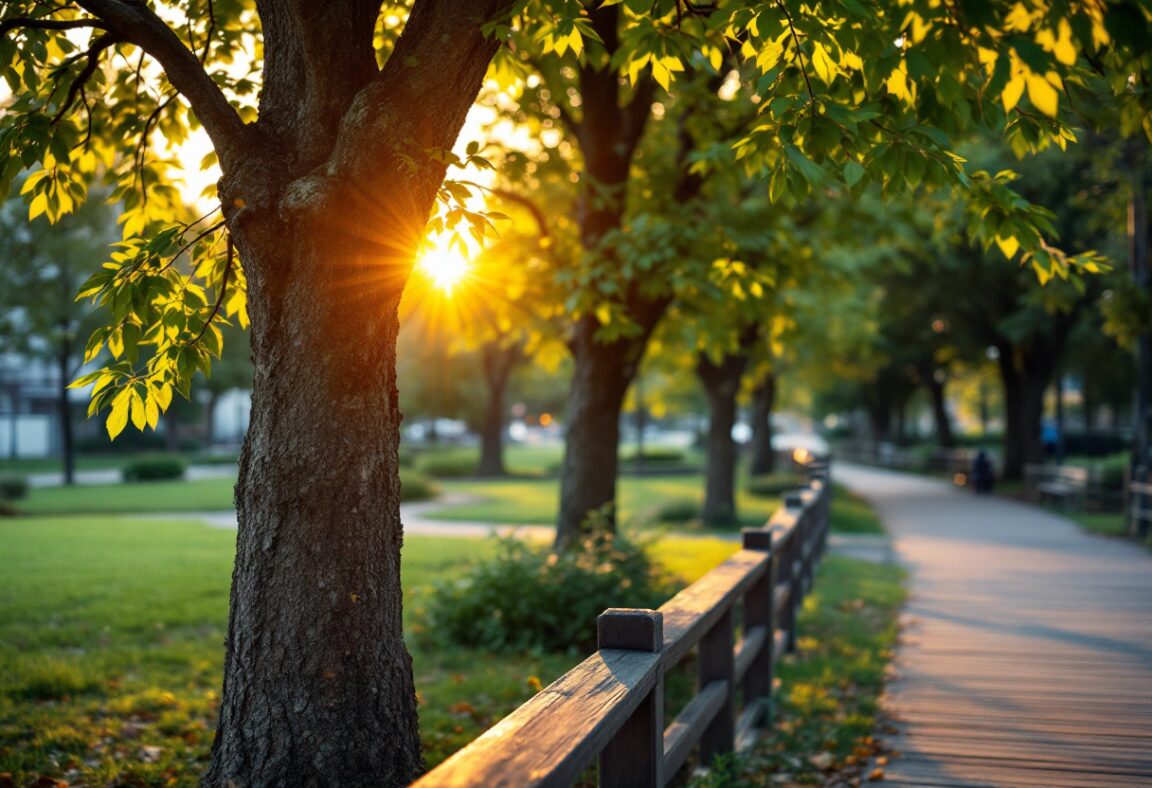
[[445, 267]]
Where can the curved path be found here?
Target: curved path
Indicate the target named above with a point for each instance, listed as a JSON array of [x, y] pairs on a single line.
[[1026, 657]]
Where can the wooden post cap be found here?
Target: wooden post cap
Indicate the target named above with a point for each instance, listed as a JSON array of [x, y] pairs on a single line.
[[630, 629], [757, 538]]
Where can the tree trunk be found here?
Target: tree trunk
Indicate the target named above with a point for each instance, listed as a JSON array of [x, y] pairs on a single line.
[[1140, 261], [1025, 377], [326, 206], [67, 442], [1015, 440], [945, 437], [600, 379], [721, 384], [210, 419], [1060, 426], [641, 417], [318, 685], [171, 430], [498, 362], [763, 460]]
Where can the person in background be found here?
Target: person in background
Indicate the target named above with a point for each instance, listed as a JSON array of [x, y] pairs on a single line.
[[983, 476]]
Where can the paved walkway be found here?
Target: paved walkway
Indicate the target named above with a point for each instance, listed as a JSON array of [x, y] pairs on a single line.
[[1027, 653]]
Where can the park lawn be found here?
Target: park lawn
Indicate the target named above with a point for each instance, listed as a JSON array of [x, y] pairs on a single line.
[[534, 501], [200, 495], [84, 462], [152, 497], [111, 646]]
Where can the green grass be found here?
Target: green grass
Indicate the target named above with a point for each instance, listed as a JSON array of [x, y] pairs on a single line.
[[84, 462], [534, 501], [200, 495], [851, 514], [537, 461], [1112, 524], [111, 644], [825, 707]]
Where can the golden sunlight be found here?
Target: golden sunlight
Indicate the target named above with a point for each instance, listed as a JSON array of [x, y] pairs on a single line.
[[445, 267]]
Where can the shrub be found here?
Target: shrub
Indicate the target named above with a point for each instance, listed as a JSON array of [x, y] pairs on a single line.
[[13, 487], [773, 485], [154, 467], [528, 597], [415, 486], [217, 458], [1111, 471], [448, 466], [681, 511], [655, 456]]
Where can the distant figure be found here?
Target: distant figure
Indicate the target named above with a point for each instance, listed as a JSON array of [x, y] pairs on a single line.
[[983, 477]]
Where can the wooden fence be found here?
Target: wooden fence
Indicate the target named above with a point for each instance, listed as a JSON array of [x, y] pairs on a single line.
[[611, 705]]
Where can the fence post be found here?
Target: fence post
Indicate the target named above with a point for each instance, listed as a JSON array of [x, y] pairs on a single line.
[[635, 755], [758, 603], [795, 502], [1139, 503], [717, 663]]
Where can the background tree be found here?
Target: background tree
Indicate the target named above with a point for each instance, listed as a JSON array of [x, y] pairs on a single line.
[[41, 269]]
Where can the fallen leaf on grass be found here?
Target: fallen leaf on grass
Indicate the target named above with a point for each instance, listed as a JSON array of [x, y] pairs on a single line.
[[821, 761]]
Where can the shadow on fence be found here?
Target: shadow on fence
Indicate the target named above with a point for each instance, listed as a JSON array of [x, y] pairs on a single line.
[[611, 705]]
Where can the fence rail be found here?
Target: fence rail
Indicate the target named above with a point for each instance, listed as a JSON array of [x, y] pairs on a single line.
[[611, 705]]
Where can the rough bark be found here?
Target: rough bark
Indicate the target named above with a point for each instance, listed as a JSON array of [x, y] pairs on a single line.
[[67, 441], [763, 456], [498, 362], [325, 212], [721, 381], [600, 379]]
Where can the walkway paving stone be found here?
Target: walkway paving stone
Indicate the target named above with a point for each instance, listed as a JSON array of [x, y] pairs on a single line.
[[1026, 657]]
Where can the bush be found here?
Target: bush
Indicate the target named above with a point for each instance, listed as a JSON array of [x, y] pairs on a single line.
[[415, 486], [773, 485], [681, 511], [154, 467], [655, 456], [13, 488], [449, 466], [217, 458], [528, 597]]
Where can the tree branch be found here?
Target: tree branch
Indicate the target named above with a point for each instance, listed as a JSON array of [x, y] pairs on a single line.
[[101, 43], [12, 23], [799, 55], [138, 24], [637, 110], [530, 206]]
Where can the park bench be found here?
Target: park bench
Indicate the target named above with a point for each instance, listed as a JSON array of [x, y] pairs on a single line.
[[1063, 484], [610, 707]]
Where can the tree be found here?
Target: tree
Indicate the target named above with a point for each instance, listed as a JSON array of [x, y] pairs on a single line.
[[326, 187], [332, 124], [41, 268]]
